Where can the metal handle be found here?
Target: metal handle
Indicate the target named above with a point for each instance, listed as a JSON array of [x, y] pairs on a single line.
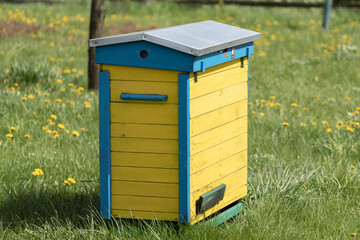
[[144, 97]]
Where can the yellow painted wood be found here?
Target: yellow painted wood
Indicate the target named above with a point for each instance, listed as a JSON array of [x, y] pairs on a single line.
[[146, 215], [140, 74], [154, 160], [217, 153], [155, 204], [217, 171], [218, 99], [145, 189], [218, 117], [144, 145], [217, 135], [144, 113], [229, 198], [220, 68], [145, 174], [144, 130], [217, 81], [141, 87]]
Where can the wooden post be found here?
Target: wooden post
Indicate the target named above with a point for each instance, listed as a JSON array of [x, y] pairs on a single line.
[[327, 11], [96, 25]]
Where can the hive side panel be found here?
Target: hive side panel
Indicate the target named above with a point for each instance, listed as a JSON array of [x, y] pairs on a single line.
[[218, 134], [144, 144]]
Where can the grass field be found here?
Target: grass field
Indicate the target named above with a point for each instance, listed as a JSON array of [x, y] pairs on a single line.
[[304, 148]]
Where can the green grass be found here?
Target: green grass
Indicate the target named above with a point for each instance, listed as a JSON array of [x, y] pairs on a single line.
[[304, 183]]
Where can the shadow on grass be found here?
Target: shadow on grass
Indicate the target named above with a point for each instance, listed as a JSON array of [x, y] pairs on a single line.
[[61, 203]]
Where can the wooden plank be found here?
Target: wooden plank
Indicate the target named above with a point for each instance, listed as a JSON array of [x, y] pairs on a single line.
[[141, 87], [146, 215], [229, 198], [217, 135], [217, 171], [214, 82], [154, 160], [217, 153], [145, 203], [144, 131], [144, 113], [145, 189], [144, 145], [226, 215], [219, 68], [218, 99], [140, 74], [218, 117], [145, 174]]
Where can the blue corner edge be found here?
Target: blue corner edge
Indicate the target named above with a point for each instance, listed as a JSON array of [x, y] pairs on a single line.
[[184, 148], [104, 141]]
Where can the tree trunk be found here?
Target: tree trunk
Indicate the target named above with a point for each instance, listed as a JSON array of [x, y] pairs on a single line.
[[96, 26]]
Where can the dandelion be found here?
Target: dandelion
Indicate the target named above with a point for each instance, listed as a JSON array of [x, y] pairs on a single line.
[[262, 101], [329, 130], [303, 124], [27, 136], [24, 99], [305, 109], [59, 81], [48, 131], [313, 123], [350, 129], [71, 180], [76, 133], [347, 98], [285, 124], [61, 126], [13, 128], [340, 122], [272, 97], [253, 112], [74, 70], [16, 84], [44, 128], [82, 129], [70, 84], [250, 103], [352, 166], [262, 53], [67, 71], [37, 172], [31, 96], [53, 116], [262, 114], [67, 182], [81, 89], [316, 97], [294, 105], [357, 108], [7, 71], [70, 102], [11, 89], [58, 100], [46, 101], [9, 135], [277, 104]]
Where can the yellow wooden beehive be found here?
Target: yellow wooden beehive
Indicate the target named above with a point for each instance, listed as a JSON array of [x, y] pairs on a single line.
[[173, 122]]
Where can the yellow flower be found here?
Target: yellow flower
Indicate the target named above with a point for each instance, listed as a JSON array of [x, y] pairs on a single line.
[[61, 126], [67, 71], [7, 71], [329, 130], [303, 124], [53, 116], [277, 104], [262, 53], [24, 98], [37, 172], [48, 131], [316, 96], [70, 102], [31, 96], [352, 166], [272, 97], [71, 180], [27, 136], [305, 109], [285, 124], [261, 114], [350, 129], [74, 70], [59, 81], [262, 101], [294, 105], [313, 123], [55, 132], [250, 104], [70, 84], [76, 133], [357, 108], [44, 128], [46, 101], [67, 182], [58, 100], [340, 122], [16, 84], [67, 131], [11, 89], [82, 129], [13, 128], [253, 112], [347, 98], [9, 135]]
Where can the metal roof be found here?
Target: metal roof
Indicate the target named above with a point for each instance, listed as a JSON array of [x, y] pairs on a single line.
[[195, 38]]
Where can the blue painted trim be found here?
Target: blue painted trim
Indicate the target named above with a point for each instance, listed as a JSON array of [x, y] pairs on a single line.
[[159, 57], [104, 141], [184, 148], [144, 97], [216, 58]]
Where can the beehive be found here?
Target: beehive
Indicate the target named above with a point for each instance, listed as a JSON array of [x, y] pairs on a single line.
[[173, 121]]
